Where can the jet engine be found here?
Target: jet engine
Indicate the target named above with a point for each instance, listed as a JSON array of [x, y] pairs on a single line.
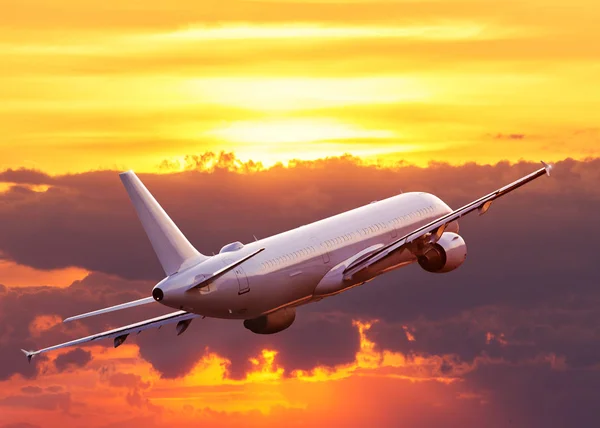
[[447, 254], [273, 322]]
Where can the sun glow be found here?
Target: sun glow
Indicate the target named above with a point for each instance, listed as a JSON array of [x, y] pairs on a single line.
[[273, 132], [276, 94], [308, 30], [106, 86]]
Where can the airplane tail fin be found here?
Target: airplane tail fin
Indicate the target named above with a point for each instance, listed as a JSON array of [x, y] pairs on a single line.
[[172, 248]]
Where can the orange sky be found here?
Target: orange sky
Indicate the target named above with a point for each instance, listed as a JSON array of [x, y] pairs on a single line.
[[118, 384], [107, 84], [148, 85]]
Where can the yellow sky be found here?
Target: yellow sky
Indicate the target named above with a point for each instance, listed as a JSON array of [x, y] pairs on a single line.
[[111, 84]]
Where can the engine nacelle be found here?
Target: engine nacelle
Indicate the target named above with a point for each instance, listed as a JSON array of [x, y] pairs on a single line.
[[447, 254], [272, 323]]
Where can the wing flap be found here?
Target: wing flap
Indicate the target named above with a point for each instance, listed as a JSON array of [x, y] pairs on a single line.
[[432, 231], [121, 332], [127, 305]]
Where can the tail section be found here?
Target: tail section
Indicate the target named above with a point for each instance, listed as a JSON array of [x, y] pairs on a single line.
[[172, 248]]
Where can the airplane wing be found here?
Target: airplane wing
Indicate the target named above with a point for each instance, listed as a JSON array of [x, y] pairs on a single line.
[[182, 318], [127, 305], [431, 232]]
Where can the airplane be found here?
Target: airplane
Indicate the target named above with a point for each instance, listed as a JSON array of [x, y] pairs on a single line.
[[263, 282]]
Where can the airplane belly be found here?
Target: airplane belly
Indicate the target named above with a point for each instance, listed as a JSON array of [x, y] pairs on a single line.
[[286, 288], [267, 293]]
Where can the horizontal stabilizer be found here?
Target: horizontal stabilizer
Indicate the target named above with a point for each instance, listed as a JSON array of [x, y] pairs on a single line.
[[121, 332], [127, 305], [172, 248]]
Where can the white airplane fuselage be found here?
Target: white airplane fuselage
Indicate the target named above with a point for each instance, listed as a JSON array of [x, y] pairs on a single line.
[[302, 265]]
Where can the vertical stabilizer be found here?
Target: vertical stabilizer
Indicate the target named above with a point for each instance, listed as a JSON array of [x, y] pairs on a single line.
[[172, 248]]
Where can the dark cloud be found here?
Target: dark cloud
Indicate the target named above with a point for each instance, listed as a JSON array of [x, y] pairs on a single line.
[[135, 386], [96, 290], [537, 395], [299, 347], [87, 220], [25, 176], [526, 295], [127, 380], [72, 359]]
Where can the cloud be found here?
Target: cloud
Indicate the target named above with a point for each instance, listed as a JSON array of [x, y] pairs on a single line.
[[509, 136], [49, 401], [127, 380], [42, 323], [32, 389], [24, 176], [89, 222], [518, 314], [53, 303], [72, 359]]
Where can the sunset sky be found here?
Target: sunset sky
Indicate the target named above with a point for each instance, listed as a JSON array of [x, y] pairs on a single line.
[[111, 84], [248, 118]]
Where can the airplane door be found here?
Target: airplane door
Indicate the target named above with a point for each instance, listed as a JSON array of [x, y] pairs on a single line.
[[321, 249], [242, 280], [243, 283], [393, 230]]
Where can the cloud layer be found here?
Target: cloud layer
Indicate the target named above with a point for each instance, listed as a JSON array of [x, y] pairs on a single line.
[[509, 338]]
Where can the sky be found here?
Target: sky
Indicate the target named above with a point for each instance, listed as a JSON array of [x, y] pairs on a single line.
[[111, 85], [248, 118]]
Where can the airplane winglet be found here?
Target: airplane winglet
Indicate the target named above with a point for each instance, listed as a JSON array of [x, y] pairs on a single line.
[[547, 167], [28, 354]]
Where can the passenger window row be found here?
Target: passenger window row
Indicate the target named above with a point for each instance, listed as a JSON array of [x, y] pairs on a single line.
[[419, 213], [374, 228], [286, 258], [332, 243]]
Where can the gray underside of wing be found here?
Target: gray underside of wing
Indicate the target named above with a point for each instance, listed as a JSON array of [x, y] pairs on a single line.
[[121, 332]]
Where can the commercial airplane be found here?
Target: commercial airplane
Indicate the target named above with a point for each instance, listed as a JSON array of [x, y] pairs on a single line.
[[263, 282]]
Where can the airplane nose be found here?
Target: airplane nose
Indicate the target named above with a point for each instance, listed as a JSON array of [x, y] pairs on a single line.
[[158, 294]]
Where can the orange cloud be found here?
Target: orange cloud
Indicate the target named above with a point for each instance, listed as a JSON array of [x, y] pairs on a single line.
[[118, 386], [118, 377], [371, 361], [15, 275], [409, 334], [41, 323], [499, 338]]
